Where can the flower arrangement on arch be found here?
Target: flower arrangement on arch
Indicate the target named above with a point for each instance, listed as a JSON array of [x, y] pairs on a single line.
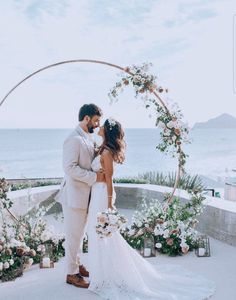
[[174, 132]]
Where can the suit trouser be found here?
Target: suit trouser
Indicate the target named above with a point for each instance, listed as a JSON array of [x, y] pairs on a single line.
[[74, 223]]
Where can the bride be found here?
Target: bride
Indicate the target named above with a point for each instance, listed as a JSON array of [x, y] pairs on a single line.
[[117, 271]]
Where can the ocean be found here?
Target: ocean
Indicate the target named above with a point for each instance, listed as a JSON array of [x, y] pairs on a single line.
[[35, 153]]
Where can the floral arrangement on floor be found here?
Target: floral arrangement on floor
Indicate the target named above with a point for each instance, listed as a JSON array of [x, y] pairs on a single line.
[[22, 243], [173, 229]]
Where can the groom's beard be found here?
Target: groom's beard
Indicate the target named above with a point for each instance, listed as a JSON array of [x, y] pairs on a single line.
[[90, 129]]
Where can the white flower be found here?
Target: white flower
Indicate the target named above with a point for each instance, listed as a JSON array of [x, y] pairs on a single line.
[[46, 235], [131, 232], [1, 266], [183, 243], [158, 231], [171, 124], [173, 138], [6, 265], [113, 219], [11, 262], [63, 245], [166, 233], [158, 245], [139, 224], [137, 78], [161, 125], [41, 248], [30, 261], [146, 225], [15, 243]]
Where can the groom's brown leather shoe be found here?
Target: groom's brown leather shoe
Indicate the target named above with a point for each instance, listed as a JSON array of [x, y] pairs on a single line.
[[83, 271], [77, 280]]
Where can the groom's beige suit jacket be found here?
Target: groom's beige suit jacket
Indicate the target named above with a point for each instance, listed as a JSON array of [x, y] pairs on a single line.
[[78, 154]]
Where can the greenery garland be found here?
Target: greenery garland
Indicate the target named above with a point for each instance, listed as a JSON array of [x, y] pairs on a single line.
[[174, 132]]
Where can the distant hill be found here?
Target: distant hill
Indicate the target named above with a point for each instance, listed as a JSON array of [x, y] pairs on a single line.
[[220, 122]]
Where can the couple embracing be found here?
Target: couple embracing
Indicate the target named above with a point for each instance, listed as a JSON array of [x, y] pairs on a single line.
[[115, 270]]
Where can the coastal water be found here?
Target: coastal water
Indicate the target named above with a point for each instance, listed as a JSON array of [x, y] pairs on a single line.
[[30, 153]]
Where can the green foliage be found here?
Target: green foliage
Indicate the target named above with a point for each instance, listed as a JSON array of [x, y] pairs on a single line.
[[38, 183], [187, 182], [172, 227]]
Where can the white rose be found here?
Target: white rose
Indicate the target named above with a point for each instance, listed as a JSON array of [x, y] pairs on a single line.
[[112, 219], [158, 231], [11, 262], [170, 124], [6, 265], [158, 245], [166, 233], [139, 224], [30, 261], [161, 125], [1, 266]]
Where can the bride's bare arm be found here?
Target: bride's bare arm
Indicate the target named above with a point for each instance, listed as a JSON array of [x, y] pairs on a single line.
[[107, 160]]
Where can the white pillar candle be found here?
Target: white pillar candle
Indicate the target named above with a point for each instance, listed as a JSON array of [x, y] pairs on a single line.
[[201, 251], [147, 252], [46, 262]]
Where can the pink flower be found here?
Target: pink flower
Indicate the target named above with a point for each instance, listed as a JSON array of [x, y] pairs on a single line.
[[170, 241], [102, 219], [185, 249]]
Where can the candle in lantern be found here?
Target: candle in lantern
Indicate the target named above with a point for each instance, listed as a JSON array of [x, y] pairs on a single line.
[[46, 262], [201, 251], [147, 252]]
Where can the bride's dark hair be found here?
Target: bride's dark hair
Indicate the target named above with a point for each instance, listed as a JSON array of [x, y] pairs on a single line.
[[114, 140]]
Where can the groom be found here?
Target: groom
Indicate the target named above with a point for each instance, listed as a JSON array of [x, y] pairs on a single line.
[[78, 153]]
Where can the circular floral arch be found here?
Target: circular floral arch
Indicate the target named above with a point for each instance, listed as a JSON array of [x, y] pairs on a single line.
[[174, 131]]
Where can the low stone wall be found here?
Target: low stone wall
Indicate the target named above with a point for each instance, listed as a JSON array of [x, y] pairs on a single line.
[[217, 220]]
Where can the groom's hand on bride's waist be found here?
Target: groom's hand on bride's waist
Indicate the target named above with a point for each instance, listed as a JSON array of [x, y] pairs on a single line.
[[101, 176]]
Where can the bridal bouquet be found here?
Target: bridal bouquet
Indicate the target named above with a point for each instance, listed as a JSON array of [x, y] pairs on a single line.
[[109, 222]]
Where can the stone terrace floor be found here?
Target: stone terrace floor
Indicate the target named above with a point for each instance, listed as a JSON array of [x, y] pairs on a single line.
[[50, 284]]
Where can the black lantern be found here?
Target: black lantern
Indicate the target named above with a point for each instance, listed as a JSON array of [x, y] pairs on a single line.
[[148, 247], [46, 257], [203, 246]]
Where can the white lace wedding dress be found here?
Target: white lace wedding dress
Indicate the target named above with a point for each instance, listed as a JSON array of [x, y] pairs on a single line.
[[118, 272]]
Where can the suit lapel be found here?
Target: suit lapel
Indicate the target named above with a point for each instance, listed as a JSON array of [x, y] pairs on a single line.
[[88, 142]]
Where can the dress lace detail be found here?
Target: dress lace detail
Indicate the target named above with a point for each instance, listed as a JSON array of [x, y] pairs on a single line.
[[118, 272]]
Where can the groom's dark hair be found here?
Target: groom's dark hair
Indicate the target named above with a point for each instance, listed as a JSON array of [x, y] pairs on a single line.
[[89, 110]]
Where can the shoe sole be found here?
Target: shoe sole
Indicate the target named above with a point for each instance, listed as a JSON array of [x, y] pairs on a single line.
[[79, 286]]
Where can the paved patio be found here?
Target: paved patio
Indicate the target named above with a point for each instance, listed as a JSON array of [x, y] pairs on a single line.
[[50, 284]]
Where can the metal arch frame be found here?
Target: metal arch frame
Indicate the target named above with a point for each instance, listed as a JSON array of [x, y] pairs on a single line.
[[101, 63]]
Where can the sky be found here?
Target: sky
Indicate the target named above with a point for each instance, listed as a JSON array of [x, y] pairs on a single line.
[[189, 42]]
